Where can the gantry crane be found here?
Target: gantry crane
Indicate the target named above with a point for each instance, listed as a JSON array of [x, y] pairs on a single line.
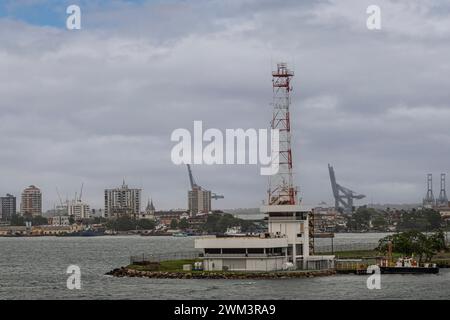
[[194, 185], [343, 197]]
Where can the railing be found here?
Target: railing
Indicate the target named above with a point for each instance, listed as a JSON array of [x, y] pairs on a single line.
[[243, 255], [316, 265], [288, 218], [146, 258], [345, 247]]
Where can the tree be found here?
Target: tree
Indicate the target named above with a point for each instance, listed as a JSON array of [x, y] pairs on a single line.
[[414, 242], [420, 220], [360, 220], [379, 223], [434, 219], [173, 224], [122, 224], [435, 243], [146, 224], [17, 220], [39, 221], [183, 224], [98, 220], [219, 223]]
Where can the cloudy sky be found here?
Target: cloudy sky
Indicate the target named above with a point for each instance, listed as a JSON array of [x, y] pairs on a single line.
[[98, 105]]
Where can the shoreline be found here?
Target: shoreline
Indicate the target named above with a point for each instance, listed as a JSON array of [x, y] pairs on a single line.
[[232, 275]]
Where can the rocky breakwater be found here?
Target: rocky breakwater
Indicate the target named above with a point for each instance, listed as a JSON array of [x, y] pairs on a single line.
[[130, 272]]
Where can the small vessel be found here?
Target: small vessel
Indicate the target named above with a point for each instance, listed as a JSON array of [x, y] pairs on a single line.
[[405, 265], [85, 233], [235, 232], [180, 234]]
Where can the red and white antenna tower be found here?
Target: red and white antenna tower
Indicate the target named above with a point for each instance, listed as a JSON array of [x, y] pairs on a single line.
[[281, 188]]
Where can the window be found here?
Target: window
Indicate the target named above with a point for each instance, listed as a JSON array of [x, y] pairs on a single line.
[[255, 250], [233, 251], [212, 251], [277, 250]]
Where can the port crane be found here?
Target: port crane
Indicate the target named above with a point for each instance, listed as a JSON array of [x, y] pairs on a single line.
[[343, 196], [194, 185]]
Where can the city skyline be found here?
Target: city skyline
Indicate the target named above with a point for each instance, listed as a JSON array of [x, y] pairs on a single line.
[[96, 105]]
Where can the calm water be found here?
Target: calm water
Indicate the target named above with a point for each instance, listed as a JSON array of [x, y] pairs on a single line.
[[34, 268]]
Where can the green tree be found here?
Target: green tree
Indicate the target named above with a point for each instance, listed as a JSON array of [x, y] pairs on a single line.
[[420, 220], [435, 243], [98, 220], [414, 242], [379, 223], [219, 223], [434, 219], [173, 224], [17, 220], [183, 224], [360, 220], [122, 224], [146, 224], [39, 220]]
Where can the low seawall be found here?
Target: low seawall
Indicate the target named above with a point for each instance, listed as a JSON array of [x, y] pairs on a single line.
[[128, 272]]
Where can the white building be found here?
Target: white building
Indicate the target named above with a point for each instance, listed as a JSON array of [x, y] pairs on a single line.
[[287, 240], [122, 201], [290, 221], [243, 253], [59, 221], [78, 209]]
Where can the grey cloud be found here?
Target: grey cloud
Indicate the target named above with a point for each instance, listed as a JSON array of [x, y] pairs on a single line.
[[100, 105]]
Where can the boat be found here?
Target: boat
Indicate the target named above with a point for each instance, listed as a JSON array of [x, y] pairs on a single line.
[[405, 265], [84, 233], [234, 232], [180, 234]]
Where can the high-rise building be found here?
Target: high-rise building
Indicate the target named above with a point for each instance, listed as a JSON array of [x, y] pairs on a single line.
[[7, 207], [122, 201], [31, 202], [199, 201], [78, 209]]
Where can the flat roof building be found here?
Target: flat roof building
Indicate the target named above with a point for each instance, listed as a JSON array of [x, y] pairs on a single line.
[[263, 253], [199, 201], [79, 210], [122, 201], [31, 202], [7, 207], [285, 244]]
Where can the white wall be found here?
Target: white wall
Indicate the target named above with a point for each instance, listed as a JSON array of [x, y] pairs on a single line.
[[247, 264]]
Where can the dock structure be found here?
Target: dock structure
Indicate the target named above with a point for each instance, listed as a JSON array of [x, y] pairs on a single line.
[[353, 266]]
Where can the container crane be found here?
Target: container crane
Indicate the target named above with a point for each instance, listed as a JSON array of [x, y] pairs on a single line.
[[194, 185]]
